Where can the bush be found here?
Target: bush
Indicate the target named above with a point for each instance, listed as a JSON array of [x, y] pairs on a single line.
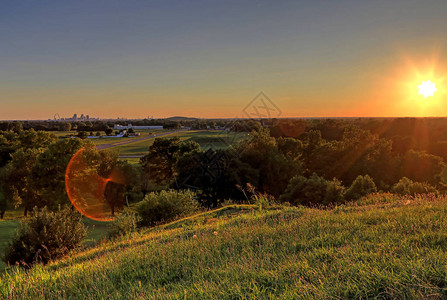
[[82, 135], [125, 223], [361, 186], [166, 206], [313, 191], [108, 131], [406, 186], [45, 236]]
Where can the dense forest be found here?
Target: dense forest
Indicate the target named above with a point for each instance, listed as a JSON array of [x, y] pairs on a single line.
[[300, 161]]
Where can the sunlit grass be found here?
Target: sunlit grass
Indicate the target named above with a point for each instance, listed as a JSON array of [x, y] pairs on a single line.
[[397, 249]]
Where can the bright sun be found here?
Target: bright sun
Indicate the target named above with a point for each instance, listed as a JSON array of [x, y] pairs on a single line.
[[427, 88]]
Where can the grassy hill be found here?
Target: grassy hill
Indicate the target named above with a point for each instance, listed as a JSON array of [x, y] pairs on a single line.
[[383, 247]]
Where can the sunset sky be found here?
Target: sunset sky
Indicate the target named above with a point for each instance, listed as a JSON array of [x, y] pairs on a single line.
[[211, 58]]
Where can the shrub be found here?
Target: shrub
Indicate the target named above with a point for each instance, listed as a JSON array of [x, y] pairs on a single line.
[[313, 191], [166, 206], [82, 135], [361, 186], [125, 223], [406, 186], [45, 236]]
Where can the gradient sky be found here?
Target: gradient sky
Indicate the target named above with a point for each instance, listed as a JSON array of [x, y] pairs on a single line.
[[210, 58]]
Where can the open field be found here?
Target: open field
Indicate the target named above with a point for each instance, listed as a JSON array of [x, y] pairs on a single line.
[[206, 139], [108, 140], [384, 248], [132, 148]]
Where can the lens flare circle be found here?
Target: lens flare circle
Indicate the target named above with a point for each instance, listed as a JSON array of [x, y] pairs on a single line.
[[87, 190]]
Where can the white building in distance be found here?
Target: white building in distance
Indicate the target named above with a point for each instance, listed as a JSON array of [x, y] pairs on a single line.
[[121, 127]]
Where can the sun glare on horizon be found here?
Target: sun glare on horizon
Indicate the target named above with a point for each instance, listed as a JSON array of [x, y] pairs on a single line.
[[427, 88]]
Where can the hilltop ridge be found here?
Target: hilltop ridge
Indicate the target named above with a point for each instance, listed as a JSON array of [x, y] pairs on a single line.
[[380, 247]]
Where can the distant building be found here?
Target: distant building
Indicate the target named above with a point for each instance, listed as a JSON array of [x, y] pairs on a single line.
[[121, 127]]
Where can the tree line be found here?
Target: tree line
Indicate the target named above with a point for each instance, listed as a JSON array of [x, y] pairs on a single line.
[[312, 162]]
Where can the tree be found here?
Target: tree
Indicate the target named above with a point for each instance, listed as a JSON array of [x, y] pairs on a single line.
[[108, 131], [159, 163], [215, 174], [65, 126], [120, 176], [16, 126], [107, 166], [133, 181], [82, 135], [358, 153], [49, 171], [362, 186], [8, 144], [26, 139], [18, 180], [261, 153], [406, 186], [30, 139], [290, 148], [313, 191], [288, 128], [422, 167], [172, 125]]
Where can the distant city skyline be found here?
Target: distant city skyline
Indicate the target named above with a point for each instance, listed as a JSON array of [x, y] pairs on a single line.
[[209, 59]]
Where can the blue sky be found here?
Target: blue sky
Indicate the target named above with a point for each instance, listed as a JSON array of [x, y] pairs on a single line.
[[210, 58]]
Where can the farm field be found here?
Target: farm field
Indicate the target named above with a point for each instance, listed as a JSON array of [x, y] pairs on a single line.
[[109, 140], [206, 139], [380, 247]]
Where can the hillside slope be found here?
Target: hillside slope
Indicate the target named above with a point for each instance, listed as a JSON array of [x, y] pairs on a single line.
[[390, 250]]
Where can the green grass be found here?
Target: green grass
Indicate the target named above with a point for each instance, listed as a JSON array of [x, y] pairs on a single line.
[[206, 139], [96, 231], [61, 134], [7, 232], [104, 140], [132, 160], [392, 248]]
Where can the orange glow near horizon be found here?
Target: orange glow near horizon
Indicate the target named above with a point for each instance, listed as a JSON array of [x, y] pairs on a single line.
[[397, 93]]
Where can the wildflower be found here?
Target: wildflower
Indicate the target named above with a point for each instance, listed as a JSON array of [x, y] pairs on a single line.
[[215, 232], [139, 283], [194, 236]]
